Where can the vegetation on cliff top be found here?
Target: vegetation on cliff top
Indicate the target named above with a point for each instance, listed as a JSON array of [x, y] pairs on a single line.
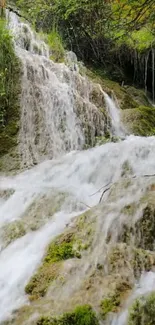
[[115, 35]]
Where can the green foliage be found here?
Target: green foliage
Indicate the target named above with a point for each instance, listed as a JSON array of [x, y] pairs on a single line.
[[141, 40], [140, 121], [9, 91], [56, 45], [59, 251], [110, 304], [102, 33], [82, 315], [143, 311]]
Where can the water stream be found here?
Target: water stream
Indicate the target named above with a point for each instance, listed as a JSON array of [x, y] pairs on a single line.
[[47, 102]]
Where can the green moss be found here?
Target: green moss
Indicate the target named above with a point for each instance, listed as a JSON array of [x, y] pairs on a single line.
[[9, 92], [128, 97], [142, 311], [110, 304], [137, 95], [138, 259], [82, 315], [84, 232], [145, 229], [141, 261], [141, 40], [140, 121], [39, 283], [59, 250], [66, 246], [128, 102], [12, 231], [99, 76], [55, 43], [142, 233]]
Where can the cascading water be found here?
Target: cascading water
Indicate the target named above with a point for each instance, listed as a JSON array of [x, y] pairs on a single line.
[[117, 128], [49, 124], [57, 113], [50, 127]]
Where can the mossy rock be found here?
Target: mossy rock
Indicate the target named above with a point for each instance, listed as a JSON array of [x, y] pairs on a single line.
[[110, 304], [71, 244], [145, 229], [138, 96], [113, 301], [142, 311], [123, 258], [140, 121], [142, 233], [82, 315], [128, 102], [109, 86], [59, 250], [39, 283], [84, 232], [12, 231], [128, 97]]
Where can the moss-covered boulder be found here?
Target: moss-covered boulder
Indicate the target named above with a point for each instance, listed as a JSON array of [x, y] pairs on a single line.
[[142, 232], [140, 120], [142, 311], [69, 245], [59, 250], [130, 260]]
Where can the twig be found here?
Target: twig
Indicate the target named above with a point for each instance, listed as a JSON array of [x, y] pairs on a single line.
[[88, 206], [16, 12], [135, 176], [100, 189], [107, 189]]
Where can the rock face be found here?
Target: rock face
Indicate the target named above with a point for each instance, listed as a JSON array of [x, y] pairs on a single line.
[[87, 265]]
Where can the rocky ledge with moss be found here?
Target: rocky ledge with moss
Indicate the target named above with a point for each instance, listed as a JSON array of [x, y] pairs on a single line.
[[107, 265]]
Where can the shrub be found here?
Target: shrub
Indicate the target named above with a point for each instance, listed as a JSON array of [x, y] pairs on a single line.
[[82, 315], [142, 311]]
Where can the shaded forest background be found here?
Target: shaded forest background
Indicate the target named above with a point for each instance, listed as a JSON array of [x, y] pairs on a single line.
[[115, 37]]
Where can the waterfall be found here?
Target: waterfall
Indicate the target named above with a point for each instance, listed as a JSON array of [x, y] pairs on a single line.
[[49, 124], [57, 113], [51, 127], [114, 113]]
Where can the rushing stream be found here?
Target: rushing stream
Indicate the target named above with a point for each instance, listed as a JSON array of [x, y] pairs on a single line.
[[47, 101]]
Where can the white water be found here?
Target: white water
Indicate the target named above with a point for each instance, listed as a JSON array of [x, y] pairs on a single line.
[[114, 112], [48, 101], [79, 174]]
